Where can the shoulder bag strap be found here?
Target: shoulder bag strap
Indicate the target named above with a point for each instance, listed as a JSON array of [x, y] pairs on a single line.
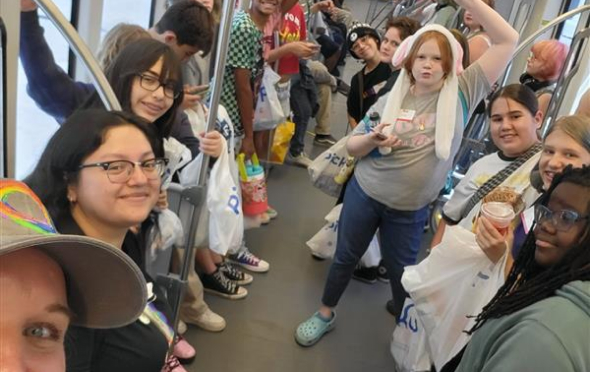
[[498, 178]]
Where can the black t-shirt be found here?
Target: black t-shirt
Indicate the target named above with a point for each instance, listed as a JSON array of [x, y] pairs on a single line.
[[136, 347], [372, 84]]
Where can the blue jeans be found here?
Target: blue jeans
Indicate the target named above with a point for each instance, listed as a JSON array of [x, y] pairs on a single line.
[[400, 233]]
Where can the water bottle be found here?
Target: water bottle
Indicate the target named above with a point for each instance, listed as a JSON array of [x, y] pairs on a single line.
[[253, 183]]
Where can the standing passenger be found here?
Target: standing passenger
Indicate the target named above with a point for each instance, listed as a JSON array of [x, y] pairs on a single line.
[[404, 160]]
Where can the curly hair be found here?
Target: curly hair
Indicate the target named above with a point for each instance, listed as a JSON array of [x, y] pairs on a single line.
[[529, 282]]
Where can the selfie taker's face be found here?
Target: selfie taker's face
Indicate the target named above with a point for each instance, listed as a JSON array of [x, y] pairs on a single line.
[[34, 315], [554, 240]]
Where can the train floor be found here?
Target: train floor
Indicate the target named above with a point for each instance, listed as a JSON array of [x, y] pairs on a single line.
[[260, 328]]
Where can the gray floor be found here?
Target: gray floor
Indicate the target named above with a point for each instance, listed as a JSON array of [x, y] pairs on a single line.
[[259, 335]]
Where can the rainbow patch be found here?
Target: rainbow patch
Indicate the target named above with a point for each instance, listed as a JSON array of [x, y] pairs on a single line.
[[10, 187]]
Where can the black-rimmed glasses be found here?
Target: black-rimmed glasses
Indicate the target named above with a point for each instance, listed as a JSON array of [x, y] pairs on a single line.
[[120, 171], [152, 84], [561, 220]]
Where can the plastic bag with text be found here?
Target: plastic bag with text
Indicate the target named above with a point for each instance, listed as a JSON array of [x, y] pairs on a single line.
[[269, 111], [226, 221], [453, 283], [409, 346]]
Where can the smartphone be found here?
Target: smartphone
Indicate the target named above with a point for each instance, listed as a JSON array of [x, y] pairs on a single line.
[[201, 90]]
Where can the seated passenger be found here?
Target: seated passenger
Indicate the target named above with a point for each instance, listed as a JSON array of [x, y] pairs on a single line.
[[538, 321], [567, 142], [59, 95], [396, 31], [514, 121], [99, 176], [404, 160], [543, 68], [50, 281], [363, 44]]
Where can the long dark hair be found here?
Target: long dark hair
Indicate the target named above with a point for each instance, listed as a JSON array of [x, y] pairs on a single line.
[[137, 58], [518, 93], [82, 134], [528, 282]]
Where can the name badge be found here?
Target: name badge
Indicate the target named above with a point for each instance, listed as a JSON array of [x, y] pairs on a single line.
[[406, 115]]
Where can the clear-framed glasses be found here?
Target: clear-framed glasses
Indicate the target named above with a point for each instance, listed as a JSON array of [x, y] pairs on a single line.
[[152, 83], [561, 220], [120, 171]]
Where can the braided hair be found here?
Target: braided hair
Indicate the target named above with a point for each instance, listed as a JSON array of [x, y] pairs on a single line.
[[528, 282]]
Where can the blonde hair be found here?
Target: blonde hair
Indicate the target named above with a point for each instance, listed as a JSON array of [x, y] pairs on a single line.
[[116, 39]]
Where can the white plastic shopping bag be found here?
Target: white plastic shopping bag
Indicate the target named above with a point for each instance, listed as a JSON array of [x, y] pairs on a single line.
[[323, 244], [178, 155], [226, 221], [327, 166], [372, 256], [269, 111], [451, 286], [409, 346]]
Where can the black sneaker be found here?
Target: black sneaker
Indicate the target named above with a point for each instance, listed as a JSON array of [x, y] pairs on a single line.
[[219, 285], [234, 274], [324, 140], [382, 273], [365, 274], [390, 306]]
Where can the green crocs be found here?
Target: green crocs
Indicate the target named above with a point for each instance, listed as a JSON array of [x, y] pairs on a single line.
[[309, 332]]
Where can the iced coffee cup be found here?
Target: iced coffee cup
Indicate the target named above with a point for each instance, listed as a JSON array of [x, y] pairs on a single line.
[[499, 214]]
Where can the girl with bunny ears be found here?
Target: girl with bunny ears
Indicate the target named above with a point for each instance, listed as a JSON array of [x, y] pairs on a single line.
[[404, 160]]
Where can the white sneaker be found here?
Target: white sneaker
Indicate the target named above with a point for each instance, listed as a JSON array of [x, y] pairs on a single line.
[[182, 328], [209, 321], [300, 160]]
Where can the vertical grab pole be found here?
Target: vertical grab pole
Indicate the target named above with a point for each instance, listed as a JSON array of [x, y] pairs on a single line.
[[196, 194], [103, 87], [222, 47]]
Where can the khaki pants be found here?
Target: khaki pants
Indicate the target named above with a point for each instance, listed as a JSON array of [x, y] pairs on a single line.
[[323, 115], [193, 304]]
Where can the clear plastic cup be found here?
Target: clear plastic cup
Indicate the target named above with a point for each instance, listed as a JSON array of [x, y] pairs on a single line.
[[499, 214]]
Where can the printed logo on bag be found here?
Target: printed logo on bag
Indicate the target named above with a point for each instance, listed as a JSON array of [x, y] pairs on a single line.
[[338, 161], [234, 201], [262, 93], [409, 320]]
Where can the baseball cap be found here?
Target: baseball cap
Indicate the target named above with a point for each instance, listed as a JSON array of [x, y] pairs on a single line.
[[105, 288], [357, 31]]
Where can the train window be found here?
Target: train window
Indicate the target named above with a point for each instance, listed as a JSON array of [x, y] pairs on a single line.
[[567, 31], [33, 126], [117, 11]]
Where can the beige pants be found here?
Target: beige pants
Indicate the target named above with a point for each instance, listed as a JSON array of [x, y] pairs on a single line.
[[193, 304], [323, 116]]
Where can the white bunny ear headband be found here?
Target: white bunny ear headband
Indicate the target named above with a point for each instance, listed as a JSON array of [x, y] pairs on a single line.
[[447, 101]]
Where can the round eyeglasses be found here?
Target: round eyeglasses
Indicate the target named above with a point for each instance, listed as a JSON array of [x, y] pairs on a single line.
[[152, 84], [120, 171], [561, 220]]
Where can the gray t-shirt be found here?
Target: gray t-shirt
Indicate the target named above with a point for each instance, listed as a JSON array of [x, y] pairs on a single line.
[[411, 176]]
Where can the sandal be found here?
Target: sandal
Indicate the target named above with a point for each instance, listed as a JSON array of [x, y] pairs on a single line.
[[309, 332]]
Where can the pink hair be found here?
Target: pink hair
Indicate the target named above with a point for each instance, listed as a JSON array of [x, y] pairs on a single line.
[[553, 54]]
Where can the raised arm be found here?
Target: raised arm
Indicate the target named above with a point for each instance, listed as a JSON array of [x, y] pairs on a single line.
[[504, 38], [52, 89]]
